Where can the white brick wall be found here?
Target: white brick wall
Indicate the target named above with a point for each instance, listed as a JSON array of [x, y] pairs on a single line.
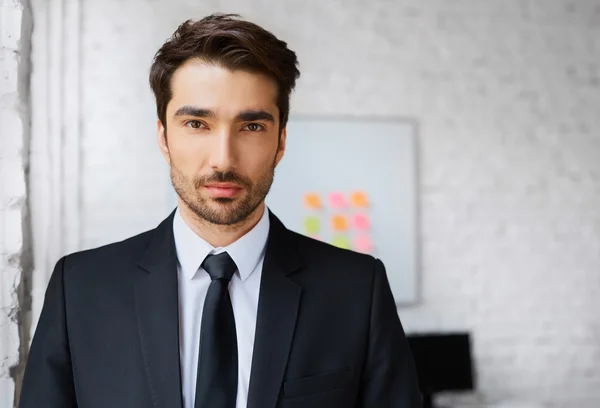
[[15, 27], [506, 94]]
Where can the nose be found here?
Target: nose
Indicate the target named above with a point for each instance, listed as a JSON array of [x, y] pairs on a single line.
[[223, 155]]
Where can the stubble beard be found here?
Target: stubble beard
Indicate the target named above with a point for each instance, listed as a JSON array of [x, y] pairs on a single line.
[[222, 210]]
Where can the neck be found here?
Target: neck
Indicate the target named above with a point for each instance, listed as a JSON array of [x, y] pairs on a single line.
[[219, 235]]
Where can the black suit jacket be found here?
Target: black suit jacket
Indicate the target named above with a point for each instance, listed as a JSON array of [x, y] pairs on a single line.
[[327, 334]]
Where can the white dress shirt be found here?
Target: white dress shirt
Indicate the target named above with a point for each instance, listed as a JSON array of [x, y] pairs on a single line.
[[248, 254]]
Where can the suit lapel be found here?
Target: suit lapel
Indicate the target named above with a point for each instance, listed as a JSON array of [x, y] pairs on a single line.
[[157, 311], [278, 305]]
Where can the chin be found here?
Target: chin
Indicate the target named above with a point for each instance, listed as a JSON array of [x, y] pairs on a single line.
[[220, 201]]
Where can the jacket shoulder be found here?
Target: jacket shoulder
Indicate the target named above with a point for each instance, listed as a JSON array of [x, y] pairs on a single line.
[[125, 250], [315, 251]]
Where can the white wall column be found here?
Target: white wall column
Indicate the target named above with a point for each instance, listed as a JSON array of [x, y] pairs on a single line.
[[15, 242], [56, 129]]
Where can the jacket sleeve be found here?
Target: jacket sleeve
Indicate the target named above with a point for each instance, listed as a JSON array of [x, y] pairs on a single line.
[[389, 377], [48, 378]]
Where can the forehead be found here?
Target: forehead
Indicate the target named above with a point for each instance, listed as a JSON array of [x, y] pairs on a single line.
[[211, 86]]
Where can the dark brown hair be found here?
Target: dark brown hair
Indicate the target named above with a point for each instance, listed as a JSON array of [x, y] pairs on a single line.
[[226, 40]]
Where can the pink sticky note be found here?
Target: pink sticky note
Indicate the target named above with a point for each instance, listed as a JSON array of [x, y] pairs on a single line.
[[362, 243], [337, 200], [361, 222]]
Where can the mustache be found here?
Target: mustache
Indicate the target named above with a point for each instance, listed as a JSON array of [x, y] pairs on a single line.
[[223, 177]]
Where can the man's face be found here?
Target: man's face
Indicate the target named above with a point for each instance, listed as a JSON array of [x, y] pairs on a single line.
[[221, 140]]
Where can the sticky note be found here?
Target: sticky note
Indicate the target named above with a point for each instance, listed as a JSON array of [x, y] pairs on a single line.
[[361, 222], [312, 225], [341, 241], [359, 199], [362, 243], [312, 201], [337, 200], [339, 222]]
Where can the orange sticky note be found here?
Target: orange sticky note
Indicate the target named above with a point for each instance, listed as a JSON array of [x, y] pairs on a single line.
[[359, 199], [361, 222], [341, 241], [312, 200], [312, 225], [339, 223], [337, 200], [362, 243]]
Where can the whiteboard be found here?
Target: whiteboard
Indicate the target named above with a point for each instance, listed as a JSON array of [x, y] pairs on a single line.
[[330, 160]]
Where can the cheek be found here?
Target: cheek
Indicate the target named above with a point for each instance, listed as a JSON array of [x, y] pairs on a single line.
[[259, 151], [257, 163], [186, 156]]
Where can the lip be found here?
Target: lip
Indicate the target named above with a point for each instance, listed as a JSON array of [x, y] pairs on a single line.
[[222, 185], [223, 190]]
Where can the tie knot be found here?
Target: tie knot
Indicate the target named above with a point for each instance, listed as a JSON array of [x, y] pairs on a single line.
[[219, 266]]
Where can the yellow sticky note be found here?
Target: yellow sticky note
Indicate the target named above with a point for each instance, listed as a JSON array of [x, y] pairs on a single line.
[[359, 199], [341, 241], [312, 201], [339, 222], [312, 225]]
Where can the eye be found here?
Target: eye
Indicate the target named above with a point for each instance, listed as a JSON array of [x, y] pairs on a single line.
[[254, 127], [194, 124]]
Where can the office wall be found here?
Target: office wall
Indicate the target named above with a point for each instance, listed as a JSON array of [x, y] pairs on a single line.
[[507, 97]]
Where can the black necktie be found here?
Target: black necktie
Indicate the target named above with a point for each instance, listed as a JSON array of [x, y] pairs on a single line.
[[216, 384]]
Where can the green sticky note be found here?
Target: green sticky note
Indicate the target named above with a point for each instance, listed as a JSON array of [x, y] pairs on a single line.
[[341, 241], [312, 225]]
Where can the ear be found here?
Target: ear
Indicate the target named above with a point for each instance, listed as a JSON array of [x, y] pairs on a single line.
[[281, 148], [162, 141]]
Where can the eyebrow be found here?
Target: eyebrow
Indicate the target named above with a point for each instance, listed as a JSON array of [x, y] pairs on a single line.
[[193, 111], [244, 116], [252, 115]]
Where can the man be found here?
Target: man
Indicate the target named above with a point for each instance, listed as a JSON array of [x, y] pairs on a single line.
[[220, 306]]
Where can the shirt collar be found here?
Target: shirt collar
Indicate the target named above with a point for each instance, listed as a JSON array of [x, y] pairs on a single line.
[[246, 252]]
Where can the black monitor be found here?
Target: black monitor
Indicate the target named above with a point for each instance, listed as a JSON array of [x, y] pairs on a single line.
[[443, 363]]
